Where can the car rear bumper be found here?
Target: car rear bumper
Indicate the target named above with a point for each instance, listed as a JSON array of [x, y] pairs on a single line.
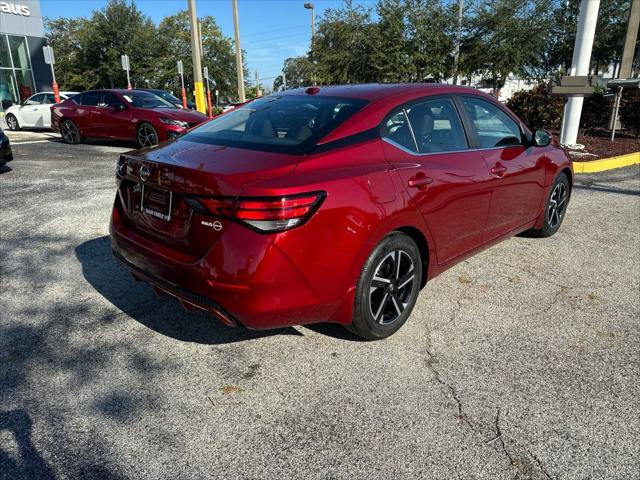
[[244, 278]]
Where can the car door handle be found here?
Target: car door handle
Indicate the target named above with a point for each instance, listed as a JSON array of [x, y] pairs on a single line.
[[499, 170], [420, 181]]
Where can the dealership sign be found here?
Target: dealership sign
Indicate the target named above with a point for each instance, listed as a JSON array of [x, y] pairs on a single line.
[[15, 8]]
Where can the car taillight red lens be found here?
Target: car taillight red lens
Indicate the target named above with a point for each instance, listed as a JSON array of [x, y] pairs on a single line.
[[218, 206], [278, 214], [272, 214]]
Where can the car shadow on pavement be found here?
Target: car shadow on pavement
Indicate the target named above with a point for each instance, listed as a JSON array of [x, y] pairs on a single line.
[[161, 314], [28, 463], [103, 142]]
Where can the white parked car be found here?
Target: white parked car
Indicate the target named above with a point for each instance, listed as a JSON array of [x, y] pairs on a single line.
[[34, 112]]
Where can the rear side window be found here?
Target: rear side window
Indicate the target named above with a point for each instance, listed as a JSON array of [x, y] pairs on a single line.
[[396, 128], [494, 127], [110, 100], [287, 124], [437, 126], [89, 99]]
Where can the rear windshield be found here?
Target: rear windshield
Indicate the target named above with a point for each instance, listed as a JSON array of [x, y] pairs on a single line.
[[287, 124]]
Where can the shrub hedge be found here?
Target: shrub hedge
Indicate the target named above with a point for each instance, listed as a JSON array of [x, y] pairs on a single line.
[[538, 109], [630, 112]]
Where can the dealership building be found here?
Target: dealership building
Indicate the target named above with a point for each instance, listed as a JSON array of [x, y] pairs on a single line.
[[23, 71]]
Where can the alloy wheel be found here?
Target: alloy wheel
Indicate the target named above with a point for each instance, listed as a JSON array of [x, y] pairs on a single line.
[[557, 205], [391, 287], [12, 122], [147, 135], [70, 132]]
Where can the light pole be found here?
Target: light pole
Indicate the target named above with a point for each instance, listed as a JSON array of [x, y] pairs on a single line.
[[587, 20], [456, 55], [236, 32], [310, 6], [196, 55]]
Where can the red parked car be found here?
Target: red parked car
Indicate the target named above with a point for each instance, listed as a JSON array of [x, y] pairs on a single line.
[[333, 204], [134, 115]]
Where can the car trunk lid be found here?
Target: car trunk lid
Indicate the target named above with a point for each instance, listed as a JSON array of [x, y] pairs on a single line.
[[157, 183]]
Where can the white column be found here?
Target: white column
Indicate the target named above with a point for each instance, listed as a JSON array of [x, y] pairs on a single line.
[[579, 67]]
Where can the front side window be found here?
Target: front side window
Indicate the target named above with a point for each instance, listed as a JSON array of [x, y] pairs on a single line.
[[49, 99], [35, 100], [396, 128], [287, 124], [90, 99], [437, 126], [494, 127]]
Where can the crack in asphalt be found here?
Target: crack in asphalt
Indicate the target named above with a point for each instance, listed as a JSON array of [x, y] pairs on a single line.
[[462, 416], [539, 464], [501, 438], [545, 278], [522, 465]]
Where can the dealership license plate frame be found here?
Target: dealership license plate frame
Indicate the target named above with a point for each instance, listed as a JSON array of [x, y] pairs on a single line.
[[166, 216]]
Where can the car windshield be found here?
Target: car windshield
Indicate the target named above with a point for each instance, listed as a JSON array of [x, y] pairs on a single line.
[[287, 124], [146, 100], [167, 96]]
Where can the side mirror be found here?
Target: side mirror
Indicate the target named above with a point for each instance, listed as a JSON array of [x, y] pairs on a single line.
[[541, 138]]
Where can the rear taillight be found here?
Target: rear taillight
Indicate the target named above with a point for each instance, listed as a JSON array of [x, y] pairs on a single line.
[[264, 214]]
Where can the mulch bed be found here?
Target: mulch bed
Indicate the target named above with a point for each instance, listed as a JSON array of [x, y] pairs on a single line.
[[598, 145]]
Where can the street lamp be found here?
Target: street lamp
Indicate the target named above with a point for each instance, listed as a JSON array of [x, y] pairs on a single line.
[[309, 6]]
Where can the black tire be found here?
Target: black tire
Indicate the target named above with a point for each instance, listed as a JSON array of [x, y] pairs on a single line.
[[12, 122], [386, 293], [146, 135], [70, 133], [555, 207]]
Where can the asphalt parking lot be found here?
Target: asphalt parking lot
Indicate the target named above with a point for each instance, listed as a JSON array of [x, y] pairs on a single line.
[[522, 362]]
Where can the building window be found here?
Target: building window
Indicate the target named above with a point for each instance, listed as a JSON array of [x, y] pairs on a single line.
[[16, 75]]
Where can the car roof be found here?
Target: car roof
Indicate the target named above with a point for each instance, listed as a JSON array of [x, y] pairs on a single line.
[[381, 99], [379, 91], [61, 93], [124, 91]]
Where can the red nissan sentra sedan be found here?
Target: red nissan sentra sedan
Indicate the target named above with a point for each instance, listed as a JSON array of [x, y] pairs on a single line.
[[333, 204], [134, 115]]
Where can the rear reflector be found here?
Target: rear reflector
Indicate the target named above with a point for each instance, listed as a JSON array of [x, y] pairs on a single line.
[[264, 214]]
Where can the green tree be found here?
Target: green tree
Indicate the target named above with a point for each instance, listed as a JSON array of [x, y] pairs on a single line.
[[120, 28], [505, 36], [174, 41], [390, 57], [343, 45], [608, 41], [63, 34], [298, 73], [431, 31]]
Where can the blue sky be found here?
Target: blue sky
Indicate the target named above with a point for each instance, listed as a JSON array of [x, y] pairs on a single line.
[[271, 30]]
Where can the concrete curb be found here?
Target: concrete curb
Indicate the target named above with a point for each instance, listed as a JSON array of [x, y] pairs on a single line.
[[607, 163]]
